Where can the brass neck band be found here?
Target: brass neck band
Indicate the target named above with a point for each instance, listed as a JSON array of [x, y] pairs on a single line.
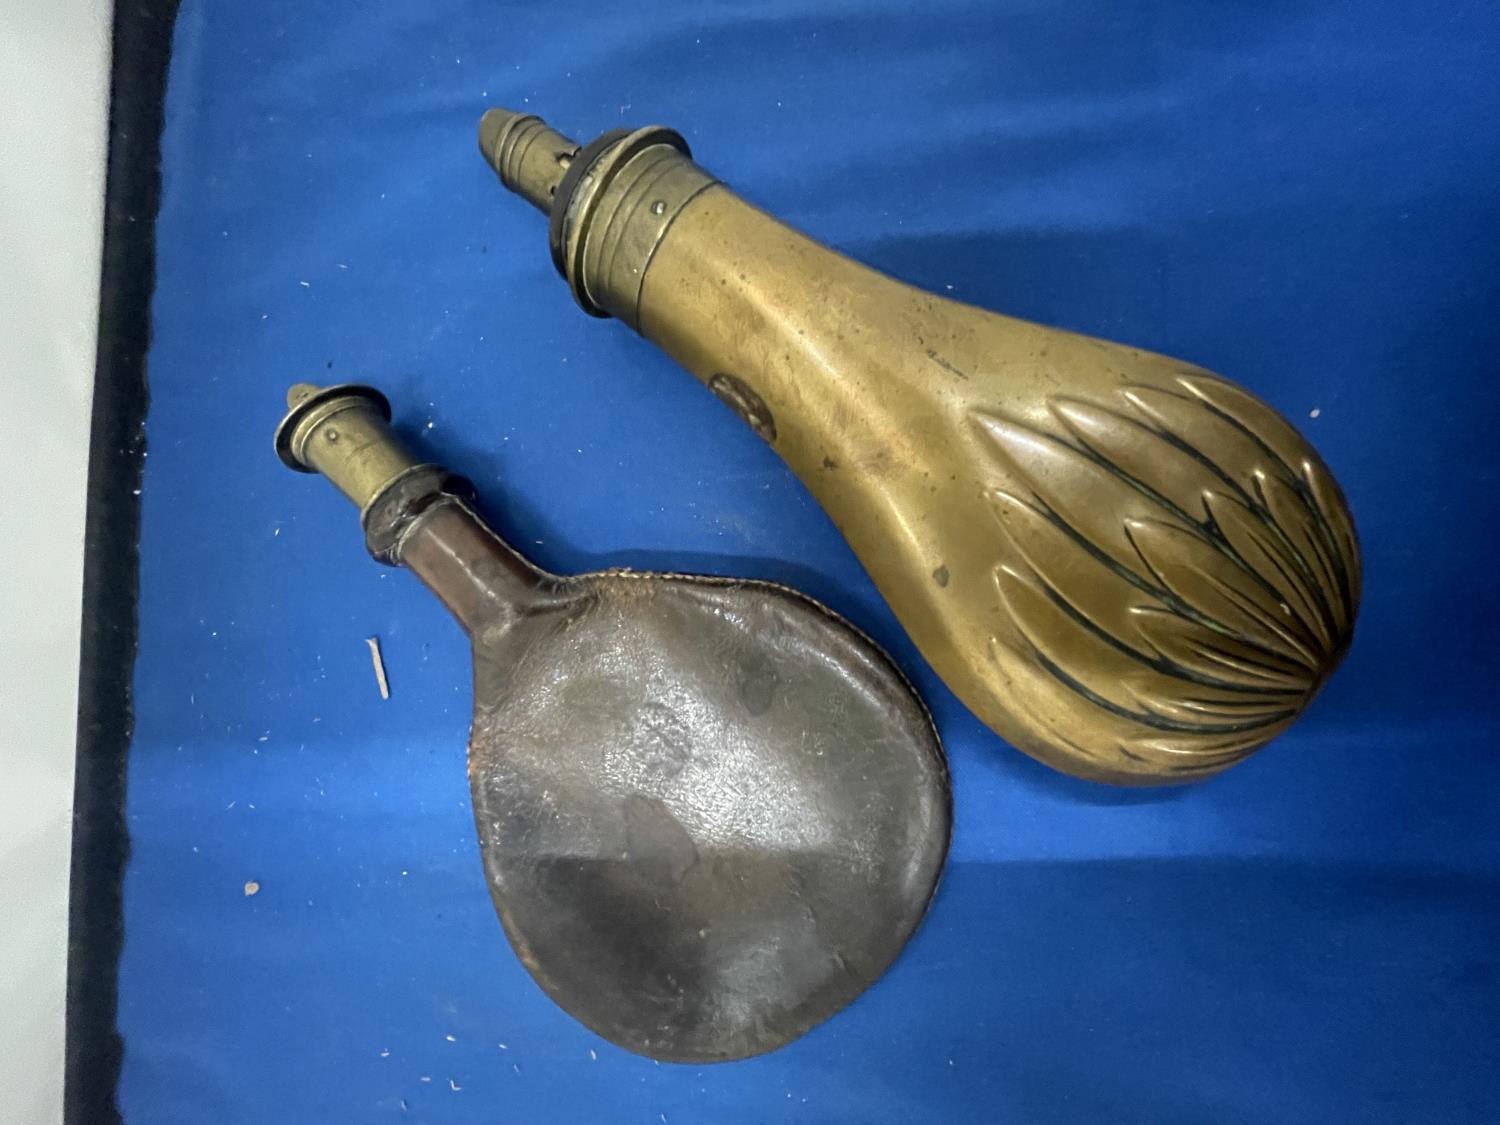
[[618, 210], [610, 202]]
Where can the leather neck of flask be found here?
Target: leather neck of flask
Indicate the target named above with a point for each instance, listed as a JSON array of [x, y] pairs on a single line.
[[423, 520], [477, 575], [414, 514]]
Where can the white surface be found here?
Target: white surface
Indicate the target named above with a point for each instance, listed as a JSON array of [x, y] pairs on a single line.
[[54, 89]]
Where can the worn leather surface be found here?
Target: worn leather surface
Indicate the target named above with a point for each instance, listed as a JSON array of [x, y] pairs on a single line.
[[710, 812]]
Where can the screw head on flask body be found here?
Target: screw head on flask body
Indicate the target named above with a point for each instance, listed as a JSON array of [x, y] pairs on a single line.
[[1129, 567]]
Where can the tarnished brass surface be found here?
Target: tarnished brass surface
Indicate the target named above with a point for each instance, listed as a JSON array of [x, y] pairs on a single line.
[[341, 432], [1130, 568], [710, 811]]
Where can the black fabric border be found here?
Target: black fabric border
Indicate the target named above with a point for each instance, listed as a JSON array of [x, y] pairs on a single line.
[[142, 41]]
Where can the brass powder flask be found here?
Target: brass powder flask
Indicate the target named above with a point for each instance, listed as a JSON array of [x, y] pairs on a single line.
[[710, 811], [1130, 568]]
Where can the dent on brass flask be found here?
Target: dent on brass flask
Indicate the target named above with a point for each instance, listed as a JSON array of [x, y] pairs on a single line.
[[711, 812], [1130, 568]]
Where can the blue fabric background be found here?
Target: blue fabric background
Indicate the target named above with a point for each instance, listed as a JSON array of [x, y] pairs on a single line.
[[1301, 195]]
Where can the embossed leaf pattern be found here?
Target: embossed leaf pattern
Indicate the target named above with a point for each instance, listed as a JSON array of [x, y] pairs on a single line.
[[1180, 558]]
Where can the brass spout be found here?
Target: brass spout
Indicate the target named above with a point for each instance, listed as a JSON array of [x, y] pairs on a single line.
[[1130, 568], [530, 157]]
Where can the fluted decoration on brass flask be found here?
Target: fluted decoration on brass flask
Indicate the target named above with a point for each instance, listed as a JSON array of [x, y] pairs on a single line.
[[1131, 568]]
